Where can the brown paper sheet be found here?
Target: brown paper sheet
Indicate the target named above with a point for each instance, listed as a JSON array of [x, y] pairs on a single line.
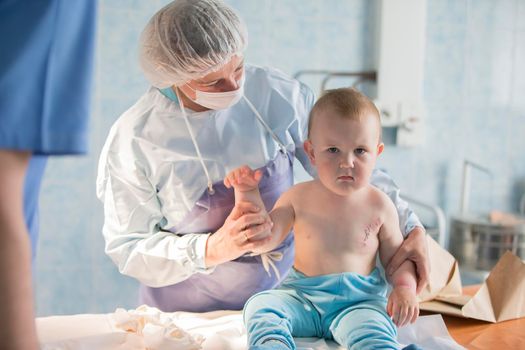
[[500, 298]]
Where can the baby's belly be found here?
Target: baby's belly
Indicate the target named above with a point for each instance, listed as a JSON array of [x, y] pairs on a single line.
[[314, 261]]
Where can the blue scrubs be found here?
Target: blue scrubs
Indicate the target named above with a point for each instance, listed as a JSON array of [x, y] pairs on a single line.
[[46, 63]]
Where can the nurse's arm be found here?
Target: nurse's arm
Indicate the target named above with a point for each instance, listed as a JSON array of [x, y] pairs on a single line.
[[132, 230]]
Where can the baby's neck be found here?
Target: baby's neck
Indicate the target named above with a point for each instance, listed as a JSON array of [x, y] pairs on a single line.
[[336, 197]]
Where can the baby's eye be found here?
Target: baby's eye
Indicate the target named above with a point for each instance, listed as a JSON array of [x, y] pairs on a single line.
[[360, 151], [333, 150]]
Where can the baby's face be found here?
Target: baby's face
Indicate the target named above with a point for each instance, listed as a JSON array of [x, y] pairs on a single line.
[[344, 151]]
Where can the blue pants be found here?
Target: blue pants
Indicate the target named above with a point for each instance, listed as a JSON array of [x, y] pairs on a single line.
[[348, 308]]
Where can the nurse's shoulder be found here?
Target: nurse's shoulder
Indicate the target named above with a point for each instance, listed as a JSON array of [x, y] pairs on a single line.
[[142, 116], [261, 80], [123, 149]]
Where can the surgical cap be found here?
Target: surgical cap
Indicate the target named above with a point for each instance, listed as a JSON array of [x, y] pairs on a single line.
[[188, 39]]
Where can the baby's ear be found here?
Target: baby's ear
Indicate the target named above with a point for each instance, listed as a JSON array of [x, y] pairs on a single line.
[[380, 148], [309, 149]]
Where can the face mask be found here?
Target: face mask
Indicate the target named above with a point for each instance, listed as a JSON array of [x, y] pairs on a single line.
[[219, 100]]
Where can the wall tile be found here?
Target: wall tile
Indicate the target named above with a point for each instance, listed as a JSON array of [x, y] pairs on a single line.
[[493, 14]]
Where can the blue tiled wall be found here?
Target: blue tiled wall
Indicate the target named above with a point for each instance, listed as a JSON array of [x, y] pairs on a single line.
[[474, 92]]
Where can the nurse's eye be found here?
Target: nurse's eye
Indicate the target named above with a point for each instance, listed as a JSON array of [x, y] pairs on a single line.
[[360, 151], [212, 83], [333, 150]]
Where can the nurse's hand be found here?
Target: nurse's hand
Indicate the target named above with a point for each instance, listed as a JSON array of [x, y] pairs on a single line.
[[236, 236], [414, 248]]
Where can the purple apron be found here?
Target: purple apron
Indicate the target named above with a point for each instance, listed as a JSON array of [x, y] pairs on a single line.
[[232, 283]]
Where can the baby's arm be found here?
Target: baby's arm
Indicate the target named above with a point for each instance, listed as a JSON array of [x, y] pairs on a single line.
[[402, 302], [283, 217], [245, 183]]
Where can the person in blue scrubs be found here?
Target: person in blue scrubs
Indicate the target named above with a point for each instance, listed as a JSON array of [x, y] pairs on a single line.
[[46, 62]]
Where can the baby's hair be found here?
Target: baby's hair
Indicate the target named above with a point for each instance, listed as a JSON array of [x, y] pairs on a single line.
[[344, 102]]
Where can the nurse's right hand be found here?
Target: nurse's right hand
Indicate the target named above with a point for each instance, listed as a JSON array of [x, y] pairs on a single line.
[[233, 239]]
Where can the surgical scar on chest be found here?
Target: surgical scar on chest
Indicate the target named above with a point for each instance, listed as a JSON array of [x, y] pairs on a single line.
[[371, 228]]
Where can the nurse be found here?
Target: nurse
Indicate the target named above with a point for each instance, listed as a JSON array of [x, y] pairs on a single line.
[[169, 220]]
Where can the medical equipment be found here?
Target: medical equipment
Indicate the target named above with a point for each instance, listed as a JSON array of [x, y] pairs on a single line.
[[437, 232], [475, 241]]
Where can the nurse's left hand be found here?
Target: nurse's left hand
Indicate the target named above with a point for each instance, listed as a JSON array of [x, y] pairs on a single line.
[[238, 234], [414, 248]]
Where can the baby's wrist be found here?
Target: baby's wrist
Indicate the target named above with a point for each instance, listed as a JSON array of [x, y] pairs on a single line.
[[406, 286], [244, 189], [251, 196]]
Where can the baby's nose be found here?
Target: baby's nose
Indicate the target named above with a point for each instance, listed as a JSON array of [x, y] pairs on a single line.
[[347, 163]]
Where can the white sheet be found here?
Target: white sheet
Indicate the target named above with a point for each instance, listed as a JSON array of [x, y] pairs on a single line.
[[219, 330]]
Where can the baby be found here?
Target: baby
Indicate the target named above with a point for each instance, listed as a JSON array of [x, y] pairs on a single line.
[[340, 223]]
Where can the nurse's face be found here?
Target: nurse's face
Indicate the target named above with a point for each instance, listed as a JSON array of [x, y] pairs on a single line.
[[225, 79]]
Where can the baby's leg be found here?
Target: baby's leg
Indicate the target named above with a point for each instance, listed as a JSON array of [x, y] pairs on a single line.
[[365, 328], [273, 316]]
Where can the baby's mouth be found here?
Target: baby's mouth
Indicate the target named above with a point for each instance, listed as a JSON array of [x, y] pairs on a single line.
[[345, 178]]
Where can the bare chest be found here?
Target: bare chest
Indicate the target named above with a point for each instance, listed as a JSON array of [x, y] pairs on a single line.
[[332, 227]]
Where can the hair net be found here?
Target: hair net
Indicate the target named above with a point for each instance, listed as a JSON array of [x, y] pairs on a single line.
[[188, 39]]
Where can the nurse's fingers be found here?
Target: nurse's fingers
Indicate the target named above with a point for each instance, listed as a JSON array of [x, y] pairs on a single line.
[[251, 246], [250, 223], [423, 274], [249, 219], [255, 231]]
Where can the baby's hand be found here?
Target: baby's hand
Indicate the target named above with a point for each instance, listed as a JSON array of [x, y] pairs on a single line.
[[403, 306], [243, 179]]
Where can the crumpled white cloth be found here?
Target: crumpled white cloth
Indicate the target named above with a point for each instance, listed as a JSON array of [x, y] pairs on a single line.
[[158, 329]]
